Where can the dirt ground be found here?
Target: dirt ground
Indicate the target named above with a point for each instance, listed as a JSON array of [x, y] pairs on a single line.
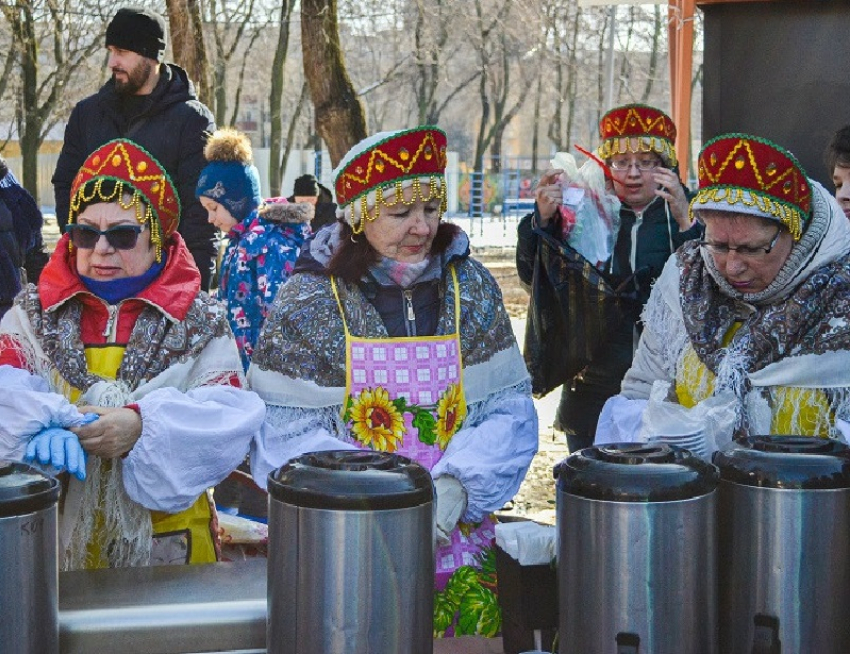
[[536, 496], [501, 262]]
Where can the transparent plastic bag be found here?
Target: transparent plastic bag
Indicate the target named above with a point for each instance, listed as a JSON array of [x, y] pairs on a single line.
[[714, 419], [590, 215]]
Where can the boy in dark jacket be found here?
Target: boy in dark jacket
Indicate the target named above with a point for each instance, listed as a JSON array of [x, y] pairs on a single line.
[[155, 104]]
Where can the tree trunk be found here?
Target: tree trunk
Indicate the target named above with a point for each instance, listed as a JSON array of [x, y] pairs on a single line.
[[23, 29], [220, 91], [481, 140], [340, 118], [496, 148], [653, 54], [276, 99], [290, 132], [535, 135], [430, 37], [187, 44]]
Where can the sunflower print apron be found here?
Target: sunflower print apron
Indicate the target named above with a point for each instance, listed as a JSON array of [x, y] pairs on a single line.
[[405, 395]]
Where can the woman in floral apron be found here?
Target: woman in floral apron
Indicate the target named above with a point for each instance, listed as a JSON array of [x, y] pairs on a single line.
[[390, 337]]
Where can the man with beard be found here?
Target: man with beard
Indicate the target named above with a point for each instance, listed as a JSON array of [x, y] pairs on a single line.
[[154, 103]]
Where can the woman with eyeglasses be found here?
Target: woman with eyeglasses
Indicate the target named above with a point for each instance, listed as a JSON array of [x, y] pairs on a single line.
[[752, 317], [119, 370], [390, 337], [637, 147]]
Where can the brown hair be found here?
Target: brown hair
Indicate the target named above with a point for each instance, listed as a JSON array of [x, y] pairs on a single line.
[[838, 151], [356, 255]]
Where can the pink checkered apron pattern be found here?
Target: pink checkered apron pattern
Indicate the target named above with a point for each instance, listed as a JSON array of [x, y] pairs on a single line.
[[418, 369]]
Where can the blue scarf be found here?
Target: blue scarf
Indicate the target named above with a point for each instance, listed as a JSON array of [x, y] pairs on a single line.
[[116, 290]]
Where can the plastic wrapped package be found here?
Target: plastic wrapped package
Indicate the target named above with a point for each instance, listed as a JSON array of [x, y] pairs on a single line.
[[590, 214]]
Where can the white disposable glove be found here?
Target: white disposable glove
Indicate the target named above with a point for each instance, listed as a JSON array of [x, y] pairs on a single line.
[[451, 504]]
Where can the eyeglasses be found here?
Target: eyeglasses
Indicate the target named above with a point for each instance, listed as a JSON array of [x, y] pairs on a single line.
[[121, 237], [743, 250], [642, 165]]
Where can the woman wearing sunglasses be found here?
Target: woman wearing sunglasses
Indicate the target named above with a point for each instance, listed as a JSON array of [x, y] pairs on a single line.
[[753, 317], [121, 371]]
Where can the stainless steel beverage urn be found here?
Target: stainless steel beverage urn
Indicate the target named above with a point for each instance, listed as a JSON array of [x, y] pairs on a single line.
[[29, 573], [351, 555], [637, 556], [784, 529]]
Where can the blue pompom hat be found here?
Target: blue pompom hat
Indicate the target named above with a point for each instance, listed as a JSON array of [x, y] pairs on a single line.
[[232, 184], [230, 178]]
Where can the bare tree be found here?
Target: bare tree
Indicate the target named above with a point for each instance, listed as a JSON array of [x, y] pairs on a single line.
[[431, 35], [561, 27], [467, 66], [340, 119], [235, 28], [7, 68], [652, 69], [499, 56], [69, 37], [290, 132], [187, 44], [276, 163]]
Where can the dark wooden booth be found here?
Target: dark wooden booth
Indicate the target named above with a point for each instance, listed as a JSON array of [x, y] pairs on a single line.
[[778, 69]]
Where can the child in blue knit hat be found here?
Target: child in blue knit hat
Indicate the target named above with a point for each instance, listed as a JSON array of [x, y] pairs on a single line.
[[263, 240]]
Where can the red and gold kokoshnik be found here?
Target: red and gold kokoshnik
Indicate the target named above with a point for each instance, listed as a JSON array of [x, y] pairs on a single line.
[[738, 168], [414, 153], [137, 173], [645, 127]]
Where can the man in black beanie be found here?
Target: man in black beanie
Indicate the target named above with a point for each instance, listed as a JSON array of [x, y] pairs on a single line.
[[154, 104], [305, 189], [308, 189]]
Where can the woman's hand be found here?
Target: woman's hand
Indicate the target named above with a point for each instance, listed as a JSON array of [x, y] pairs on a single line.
[[548, 195], [113, 434], [670, 188], [60, 448]]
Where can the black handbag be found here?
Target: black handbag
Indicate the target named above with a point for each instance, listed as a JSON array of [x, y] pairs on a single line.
[[574, 311]]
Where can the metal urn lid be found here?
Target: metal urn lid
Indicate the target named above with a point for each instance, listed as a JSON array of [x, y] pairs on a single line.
[[636, 472], [24, 489], [360, 480], [789, 462]]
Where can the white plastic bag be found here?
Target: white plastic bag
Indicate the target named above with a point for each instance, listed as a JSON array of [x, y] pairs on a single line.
[[527, 542], [715, 417], [620, 421], [590, 215]]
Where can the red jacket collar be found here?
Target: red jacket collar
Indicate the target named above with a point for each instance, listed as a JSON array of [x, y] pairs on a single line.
[[172, 292]]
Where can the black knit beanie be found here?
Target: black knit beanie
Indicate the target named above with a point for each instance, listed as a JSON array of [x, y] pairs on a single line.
[[306, 186], [139, 30]]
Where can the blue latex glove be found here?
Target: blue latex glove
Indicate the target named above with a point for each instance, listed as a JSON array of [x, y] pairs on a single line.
[[59, 448]]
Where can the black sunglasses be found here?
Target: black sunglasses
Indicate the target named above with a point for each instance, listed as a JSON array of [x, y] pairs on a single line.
[[121, 237]]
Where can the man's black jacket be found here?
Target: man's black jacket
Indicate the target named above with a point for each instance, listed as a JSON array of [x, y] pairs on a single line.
[[170, 123]]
